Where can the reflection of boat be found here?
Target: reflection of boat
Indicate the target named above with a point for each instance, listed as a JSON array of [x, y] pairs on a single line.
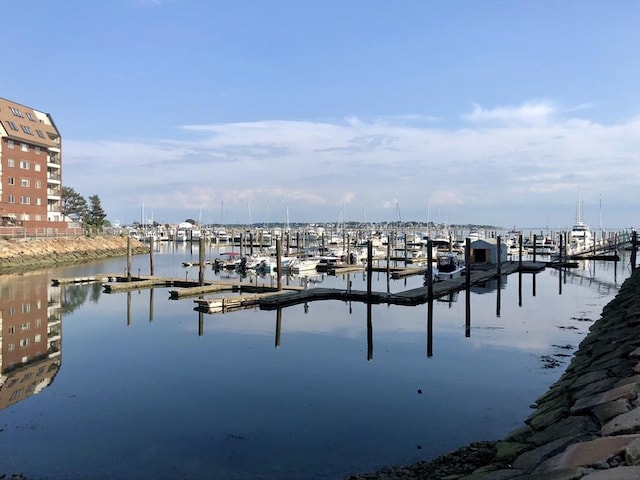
[[449, 266]]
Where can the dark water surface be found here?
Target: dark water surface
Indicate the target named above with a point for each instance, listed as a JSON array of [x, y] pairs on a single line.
[[134, 385]]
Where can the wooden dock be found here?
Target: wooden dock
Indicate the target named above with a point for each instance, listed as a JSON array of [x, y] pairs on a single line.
[[270, 298], [415, 296]]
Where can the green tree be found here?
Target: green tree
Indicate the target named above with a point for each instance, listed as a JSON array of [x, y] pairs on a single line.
[[95, 217], [74, 205]]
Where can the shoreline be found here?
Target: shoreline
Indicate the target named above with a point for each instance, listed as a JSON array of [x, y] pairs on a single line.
[[26, 254], [586, 426]]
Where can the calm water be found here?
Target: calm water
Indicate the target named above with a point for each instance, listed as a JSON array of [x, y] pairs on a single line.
[[140, 386]]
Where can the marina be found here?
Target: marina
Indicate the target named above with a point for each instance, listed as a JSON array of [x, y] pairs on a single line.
[[305, 369]]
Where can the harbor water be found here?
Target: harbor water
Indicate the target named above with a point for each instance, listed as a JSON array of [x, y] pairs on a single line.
[[135, 385]]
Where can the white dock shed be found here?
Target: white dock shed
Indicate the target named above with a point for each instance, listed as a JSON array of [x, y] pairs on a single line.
[[485, 251]]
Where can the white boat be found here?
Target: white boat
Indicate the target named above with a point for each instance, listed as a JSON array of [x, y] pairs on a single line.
[[581, 237], [181, 235], [449, 266], [300, 265]]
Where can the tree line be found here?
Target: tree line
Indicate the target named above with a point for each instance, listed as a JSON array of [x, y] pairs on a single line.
[[89, 213]]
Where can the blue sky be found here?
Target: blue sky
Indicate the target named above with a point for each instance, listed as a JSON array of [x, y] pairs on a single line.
[[491, 112]]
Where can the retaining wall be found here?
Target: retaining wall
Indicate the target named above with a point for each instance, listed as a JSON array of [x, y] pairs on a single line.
[[28, 254]]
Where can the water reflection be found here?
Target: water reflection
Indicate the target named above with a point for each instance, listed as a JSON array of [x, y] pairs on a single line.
[[30, 338], [305, 379]]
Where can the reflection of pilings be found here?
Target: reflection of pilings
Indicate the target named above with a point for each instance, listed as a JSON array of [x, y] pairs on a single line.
[[499, 279], [429, 329], [128, 308], [519, 288], [278, 326], [534, 284], [151, 304], [369, 333], [560, 282], [568, 273], [467, 323], [200, 324]]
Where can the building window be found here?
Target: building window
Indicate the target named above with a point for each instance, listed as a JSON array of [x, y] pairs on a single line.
[[40, 134], [24, 342], [10, 143], [11, 162], [16, 112], [11, 181], [24, 182], [38, 202], [11, 199], [38, 184], [12, 125], [31, 117], [11, 330], [38, 338], [25, 325], [38, 217], [36, 167], [25, 200], [12, 347], [37, 150], [24, 147], [26, 130], [24, 164]]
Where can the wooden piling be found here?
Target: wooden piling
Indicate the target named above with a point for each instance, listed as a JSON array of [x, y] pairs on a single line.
[[369, 266], [467, 261], [520, 251], [201, 260], [634, 247], [499, 259], [151, 262], [279, 263], [429, 270], [128, 259]]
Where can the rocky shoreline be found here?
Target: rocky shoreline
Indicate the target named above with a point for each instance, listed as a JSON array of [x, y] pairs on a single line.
[[587, 425], [23, 254]]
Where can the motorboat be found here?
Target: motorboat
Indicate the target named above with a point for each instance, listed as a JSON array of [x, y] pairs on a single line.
[[449, 266]]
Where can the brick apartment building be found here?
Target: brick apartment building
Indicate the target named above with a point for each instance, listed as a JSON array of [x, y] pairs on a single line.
[[30, 172]]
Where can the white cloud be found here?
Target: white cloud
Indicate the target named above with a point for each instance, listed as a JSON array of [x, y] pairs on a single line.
[[519, 164], [528, 113]]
